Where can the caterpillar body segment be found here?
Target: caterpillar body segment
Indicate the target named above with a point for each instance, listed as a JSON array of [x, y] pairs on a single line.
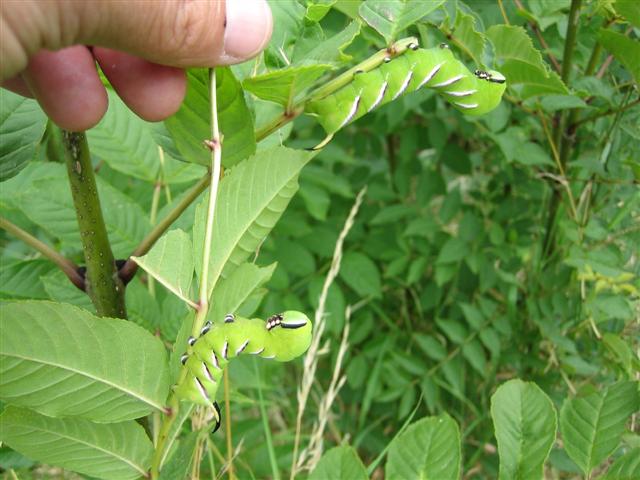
[[282, 337], [472, 93]]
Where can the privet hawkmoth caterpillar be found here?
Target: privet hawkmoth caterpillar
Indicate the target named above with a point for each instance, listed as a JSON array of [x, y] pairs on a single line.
[[282, 337], [472, 93]]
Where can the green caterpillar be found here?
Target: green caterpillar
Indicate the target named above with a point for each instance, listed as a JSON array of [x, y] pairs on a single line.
[[282, 337], [472, 93]]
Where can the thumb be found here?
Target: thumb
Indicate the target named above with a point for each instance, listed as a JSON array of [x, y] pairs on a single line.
[[179, 33]]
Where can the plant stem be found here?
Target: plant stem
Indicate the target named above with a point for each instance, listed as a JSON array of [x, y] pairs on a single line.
[[332, 86], [564, 132], [129, 269], [69, 268], [203, 302], [103, 285], [265, 425], [227, 417]]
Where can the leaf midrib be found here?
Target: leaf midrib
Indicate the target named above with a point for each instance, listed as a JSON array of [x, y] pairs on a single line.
[[88, 375], [247, 225], [83, 442]]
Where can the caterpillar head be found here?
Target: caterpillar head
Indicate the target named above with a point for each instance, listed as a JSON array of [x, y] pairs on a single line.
[[289, 334]]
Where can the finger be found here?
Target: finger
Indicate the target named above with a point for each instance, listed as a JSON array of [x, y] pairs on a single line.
[[67, 86], [153, 91], [171, 32], [17, 85]]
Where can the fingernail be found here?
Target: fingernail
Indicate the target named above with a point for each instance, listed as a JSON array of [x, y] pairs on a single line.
[[248, 29]]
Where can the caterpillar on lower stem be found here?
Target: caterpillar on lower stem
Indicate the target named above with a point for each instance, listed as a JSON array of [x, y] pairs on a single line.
[[472, 93], [282, 337]]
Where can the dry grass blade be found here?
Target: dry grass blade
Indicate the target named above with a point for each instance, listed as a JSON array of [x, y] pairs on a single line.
[[311, 358]]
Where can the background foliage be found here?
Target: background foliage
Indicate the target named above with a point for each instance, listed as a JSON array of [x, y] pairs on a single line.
[[489, 249]]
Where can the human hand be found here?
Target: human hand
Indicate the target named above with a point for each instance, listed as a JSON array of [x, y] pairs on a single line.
[[141, 46]]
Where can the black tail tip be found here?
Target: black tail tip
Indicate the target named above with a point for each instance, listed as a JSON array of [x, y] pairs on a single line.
[[216, 407]]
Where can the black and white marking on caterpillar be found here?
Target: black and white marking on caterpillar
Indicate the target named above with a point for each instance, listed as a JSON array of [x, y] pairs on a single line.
[[191, 341], [462, 93], [242, 347], [206, 328], [497, 79], [446, 83], [443, 45], [430, 75], [405, 82], [207, 373], [481, 74], [201, 389], [386, 59], [258, 352], [466, 106], [293, 325], [225, 349], [183, 358], [381, 93], [214, 361], [229, 318], [413, 46], [352, 110]]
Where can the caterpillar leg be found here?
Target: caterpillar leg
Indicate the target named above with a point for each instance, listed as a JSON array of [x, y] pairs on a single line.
[[217, 416]]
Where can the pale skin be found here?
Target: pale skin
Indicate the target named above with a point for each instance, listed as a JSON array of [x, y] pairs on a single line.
[[49, 50]]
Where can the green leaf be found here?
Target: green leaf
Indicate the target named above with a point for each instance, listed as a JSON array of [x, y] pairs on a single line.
[[525, 424], [22, 279], [251, 199], [592, 425], [428, 449], [190, 126], [339, 462], [61, 290], [22, 123], [231, 292], [317, 9], [127, 143], [390, 17], [624, 49], [61, 360], [361, 274], [328, 51], [629, 9], [627, 467], [42, 193], [522, 63], [170, 261], [453, 251], [467, 37], [177, 467], [115, 451], [285, 85], [530, 153]]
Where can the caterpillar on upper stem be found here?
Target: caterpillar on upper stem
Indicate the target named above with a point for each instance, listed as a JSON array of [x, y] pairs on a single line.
[[472, 93], [282, 337]]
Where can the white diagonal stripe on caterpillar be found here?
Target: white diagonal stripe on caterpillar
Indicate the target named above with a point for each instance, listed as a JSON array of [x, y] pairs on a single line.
[[463, 93], [446, 83], [269, 357], [467, 106], [242, 347], [430, 75], [201, 389], [207, 373], [405, 82], [258, 352], [215, 360], [381, 94], [225, 349], [352, 110]]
